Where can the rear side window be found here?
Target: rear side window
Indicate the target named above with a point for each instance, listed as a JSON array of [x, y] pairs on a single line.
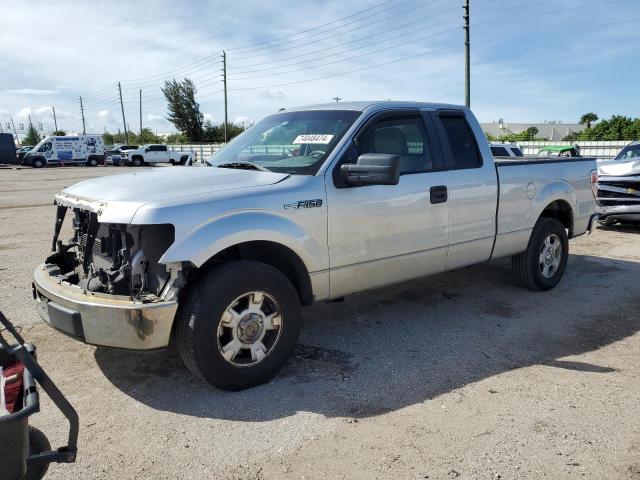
[[517, 152], [161, 148], [499, 152], [462, 143]]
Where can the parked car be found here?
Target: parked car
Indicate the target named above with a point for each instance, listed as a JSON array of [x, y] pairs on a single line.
[[619, 186], [7, 149], [505, 150], [113, 156], [66, 150], [155, 153], [22, 151], [560, 151], [308, 205]]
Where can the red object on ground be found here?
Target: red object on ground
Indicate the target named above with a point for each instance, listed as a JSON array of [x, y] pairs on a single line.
[[13, 391]]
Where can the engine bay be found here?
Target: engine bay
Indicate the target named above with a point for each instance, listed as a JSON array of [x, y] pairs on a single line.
[[110, 258]]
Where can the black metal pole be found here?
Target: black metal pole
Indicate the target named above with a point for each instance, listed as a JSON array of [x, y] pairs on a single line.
[[467, 56], [224, 81], [84, 131], [124, 122]]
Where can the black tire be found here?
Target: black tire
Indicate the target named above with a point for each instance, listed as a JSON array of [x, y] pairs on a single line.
[[38, 163], [200, 315], [92, 162], [38, 443], [137, 162], [527, 267]]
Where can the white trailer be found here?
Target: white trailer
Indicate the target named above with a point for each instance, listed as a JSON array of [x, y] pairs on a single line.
[[61, 150]]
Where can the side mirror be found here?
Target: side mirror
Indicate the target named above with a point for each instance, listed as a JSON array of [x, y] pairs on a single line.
[[372, 169]]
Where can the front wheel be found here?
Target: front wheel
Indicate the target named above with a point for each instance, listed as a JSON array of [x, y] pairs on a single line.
[[542, 265], [137, 162], [239, 324], [38, 163]]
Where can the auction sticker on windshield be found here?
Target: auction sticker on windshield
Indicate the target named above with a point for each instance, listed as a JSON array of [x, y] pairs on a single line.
[[315, 139]]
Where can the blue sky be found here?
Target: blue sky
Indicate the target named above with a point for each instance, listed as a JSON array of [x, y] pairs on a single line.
[[52, 52]]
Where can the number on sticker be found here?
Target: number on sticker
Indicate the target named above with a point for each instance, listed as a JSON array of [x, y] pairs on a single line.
[[314, 139]]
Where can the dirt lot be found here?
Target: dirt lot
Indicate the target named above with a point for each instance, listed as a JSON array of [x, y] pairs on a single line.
[[462, 375]]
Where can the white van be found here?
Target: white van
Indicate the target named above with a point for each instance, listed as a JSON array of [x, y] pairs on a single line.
[[53, 150]]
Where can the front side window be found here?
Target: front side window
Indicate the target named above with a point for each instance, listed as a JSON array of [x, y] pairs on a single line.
[[290, 142], [499, 152], [402, 136], [461, 142], [45, 147], [628, 152]]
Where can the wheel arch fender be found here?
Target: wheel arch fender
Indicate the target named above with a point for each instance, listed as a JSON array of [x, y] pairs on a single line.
[[558, 200], [206, 240]]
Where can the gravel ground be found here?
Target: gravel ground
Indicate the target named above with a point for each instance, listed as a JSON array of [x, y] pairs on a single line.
[[460, 375]]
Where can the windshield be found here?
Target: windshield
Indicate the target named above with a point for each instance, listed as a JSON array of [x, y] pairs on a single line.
[[291, 142], [628, 152]]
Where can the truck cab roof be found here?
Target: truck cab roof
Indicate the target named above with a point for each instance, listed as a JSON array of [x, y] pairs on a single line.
[[362, 106]]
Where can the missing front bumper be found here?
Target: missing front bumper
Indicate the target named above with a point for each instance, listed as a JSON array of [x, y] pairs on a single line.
[[101, 319]]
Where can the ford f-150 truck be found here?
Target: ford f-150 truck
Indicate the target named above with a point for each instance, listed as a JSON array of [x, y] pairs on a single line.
[[307, 205]]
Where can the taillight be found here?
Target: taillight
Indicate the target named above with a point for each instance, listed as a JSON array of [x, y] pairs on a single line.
[[594, 183]]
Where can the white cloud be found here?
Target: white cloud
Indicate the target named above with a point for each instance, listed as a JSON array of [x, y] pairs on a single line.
[[29, 91]]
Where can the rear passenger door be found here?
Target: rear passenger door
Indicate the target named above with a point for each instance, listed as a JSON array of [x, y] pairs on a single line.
[[473, 189], [162, 153]]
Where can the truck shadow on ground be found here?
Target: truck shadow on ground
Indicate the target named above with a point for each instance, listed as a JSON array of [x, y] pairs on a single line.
[[386, 349]]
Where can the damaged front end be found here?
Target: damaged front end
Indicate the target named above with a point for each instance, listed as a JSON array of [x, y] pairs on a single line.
[[106, 285], [619, 191], [111, 258]]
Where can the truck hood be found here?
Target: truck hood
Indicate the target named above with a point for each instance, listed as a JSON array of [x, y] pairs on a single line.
[[631, 167], [117, 197]]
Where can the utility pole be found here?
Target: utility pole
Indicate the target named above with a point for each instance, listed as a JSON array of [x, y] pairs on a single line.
[[124, 122], [337, 99], [55, 121], [467, 57], [141, 112], [224, 81], [14, 130], [84, 130]]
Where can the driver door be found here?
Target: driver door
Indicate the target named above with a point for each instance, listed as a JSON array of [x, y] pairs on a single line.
[[383, 234]]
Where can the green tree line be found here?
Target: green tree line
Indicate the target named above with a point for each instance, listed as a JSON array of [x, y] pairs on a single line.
[[618, 127]]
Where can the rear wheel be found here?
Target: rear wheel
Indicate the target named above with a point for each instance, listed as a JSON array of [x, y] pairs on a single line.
[[92, 162], [544, 262], [239, 324]]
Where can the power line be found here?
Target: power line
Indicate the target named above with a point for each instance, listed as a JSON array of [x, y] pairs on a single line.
[[213, 55], [409, 57], [353, 57], [305, 42], [377, 34]]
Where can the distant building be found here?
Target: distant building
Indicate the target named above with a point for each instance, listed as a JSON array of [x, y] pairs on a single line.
[[550, 131]]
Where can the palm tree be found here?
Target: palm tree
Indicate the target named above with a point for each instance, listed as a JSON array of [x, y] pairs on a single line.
[[588, 119]]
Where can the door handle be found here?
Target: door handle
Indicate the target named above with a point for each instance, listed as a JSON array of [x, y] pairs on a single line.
[[438, 194]]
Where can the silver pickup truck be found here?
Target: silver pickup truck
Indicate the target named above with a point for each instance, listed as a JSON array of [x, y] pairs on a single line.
[[307, 205]]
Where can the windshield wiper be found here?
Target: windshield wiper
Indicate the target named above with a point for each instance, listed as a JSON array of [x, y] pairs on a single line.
[[243, 166]]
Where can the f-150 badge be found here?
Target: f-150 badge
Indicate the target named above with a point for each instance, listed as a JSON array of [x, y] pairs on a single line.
[[304, 204]]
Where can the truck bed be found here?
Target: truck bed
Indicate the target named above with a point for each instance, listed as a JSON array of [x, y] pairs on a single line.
[[521, 181]]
